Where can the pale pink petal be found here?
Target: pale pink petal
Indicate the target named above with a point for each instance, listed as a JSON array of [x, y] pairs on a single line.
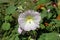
[[19, 30]]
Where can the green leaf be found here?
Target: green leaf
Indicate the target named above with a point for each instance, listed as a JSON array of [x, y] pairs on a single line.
[[10, 9], [49, 36], [57, 22], [16, 38], [4, 1], [12, 38], [58, 12], [50, 7], [42, 26], [6, 26], [50, 28], [8, 18], [44, 14], [42, 1], [49, 15]]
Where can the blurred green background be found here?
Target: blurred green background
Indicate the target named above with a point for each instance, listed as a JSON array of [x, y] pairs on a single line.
[[49, 25]]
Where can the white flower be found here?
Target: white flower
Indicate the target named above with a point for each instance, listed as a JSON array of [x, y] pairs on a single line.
[[48, 10], [59, 35], [29, 20]]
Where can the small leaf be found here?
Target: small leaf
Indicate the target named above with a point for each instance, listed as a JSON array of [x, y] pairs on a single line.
[[49, 15], [57, 23], [50, 28], [6, 26], [42, 26], [10, 9], [44, 14], [12, 38], [16, 38], [50, 7], [8, 18]]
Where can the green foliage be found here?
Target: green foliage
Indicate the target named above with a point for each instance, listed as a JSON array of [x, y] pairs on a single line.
[[42, 1], [49, 15], [8, 18], [12, 38], [50, 7], [49, 36], [42, 26], [57, 22], [50, 28], [17, 38], [44, 14], [10, 9], [3, 1], [6, 26]]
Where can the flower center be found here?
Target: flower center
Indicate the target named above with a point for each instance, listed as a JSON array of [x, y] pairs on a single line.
[[29, 19]]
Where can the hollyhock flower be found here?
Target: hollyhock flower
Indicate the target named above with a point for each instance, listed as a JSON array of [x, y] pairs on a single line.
[[29, 20]]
